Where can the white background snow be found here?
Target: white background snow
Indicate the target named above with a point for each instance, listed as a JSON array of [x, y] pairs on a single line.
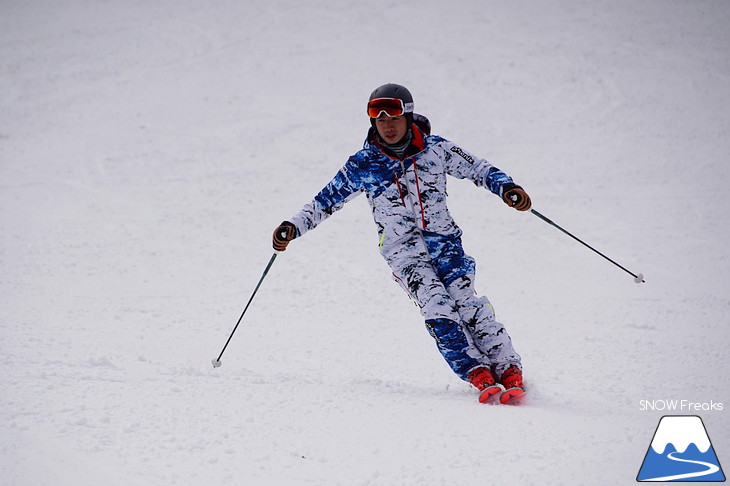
[[148, 150]]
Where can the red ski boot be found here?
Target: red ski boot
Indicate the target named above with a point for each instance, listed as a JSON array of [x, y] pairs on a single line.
[[512, 382], [483, 380]]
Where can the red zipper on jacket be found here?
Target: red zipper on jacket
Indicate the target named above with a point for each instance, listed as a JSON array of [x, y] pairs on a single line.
[[420, 201], [418, 193]]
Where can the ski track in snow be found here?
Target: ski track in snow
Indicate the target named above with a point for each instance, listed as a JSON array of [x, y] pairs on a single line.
[[148, 151]]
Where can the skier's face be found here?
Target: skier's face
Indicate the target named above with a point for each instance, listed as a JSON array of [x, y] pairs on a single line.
[[391, 128]]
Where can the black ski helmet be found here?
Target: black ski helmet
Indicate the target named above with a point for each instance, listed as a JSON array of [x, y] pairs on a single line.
[[392, 90]]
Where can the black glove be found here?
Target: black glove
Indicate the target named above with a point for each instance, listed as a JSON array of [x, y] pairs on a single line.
[[516, 197], [283, 235]]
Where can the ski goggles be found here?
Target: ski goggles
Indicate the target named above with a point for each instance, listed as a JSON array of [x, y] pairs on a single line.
[[390, 106]]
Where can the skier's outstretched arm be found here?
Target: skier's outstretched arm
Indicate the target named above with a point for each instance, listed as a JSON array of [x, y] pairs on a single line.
[[330, 199], [464, 165]]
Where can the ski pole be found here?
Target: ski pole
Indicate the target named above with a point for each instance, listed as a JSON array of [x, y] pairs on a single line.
[[217, 361], [637, 278]]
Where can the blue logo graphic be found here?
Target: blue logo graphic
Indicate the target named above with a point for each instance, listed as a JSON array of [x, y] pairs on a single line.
[[681, 451]]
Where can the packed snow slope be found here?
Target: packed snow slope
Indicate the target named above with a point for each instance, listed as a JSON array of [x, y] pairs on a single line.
[[148, 150]]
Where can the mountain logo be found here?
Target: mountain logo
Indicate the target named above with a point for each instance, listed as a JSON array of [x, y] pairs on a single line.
[[681, 451]]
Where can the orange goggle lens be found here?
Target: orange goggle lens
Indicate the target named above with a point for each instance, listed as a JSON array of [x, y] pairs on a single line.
[[389, 106]]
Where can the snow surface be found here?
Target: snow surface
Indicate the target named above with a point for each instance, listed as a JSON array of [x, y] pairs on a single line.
[[148, 150]]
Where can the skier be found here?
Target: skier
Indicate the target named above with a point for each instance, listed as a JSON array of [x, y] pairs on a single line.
[[402, 171]]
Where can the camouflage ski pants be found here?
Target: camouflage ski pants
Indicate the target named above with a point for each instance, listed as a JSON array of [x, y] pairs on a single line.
[[439, 277]]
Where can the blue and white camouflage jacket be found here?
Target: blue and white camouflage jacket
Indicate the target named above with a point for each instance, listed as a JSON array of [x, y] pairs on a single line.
[[407, 197]]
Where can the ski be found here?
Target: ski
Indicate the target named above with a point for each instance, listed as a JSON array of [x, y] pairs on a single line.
[[511, 396], [497, 394], [490, 392]]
